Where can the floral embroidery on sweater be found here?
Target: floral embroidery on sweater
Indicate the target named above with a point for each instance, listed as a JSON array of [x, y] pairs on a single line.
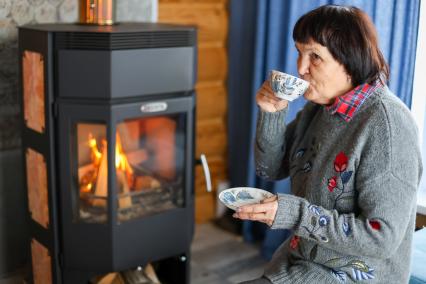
[[294, 242], [360, 270], [346, 227], [307, 166], [340, 166], [313, 149], [261, 170], [318, 220], [375, 225]]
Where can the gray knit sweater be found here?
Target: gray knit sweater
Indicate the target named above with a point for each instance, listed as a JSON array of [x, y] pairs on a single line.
[[354, 184]]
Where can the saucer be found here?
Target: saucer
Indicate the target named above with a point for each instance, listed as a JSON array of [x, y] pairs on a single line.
[[239, 196]]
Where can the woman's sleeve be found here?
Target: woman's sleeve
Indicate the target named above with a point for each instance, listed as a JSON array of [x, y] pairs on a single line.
[[273, 140], [386, 183]]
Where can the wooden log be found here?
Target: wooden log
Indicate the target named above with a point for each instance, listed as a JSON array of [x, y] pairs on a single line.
[[136, 157], [101, 188], [161, 135], [111, 278], [211, 100], [123, 201], [211, 19], [150, 273], [212, 63], [211, 137], [130, 134], [204, 208]]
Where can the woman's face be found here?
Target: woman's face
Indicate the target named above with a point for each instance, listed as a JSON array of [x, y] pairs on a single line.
[[327, 77]]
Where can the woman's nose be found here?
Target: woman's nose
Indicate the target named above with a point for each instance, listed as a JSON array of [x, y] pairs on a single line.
[[303, 66]]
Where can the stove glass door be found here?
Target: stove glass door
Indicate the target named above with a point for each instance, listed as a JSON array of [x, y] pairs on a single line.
[[149, 164], [92, 172]]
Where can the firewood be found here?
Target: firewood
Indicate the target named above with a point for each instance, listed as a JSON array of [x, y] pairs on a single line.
[[125, 201], [101, 189], [111, 278], [150, 273], [161, 136], [137, 157], [146, 183]]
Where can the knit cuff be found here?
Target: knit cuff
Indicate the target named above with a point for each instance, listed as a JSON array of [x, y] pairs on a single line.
[[289, 212], [270, 125]]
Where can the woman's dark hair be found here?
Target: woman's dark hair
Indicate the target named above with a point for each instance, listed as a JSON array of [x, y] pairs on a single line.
[[350, 36]]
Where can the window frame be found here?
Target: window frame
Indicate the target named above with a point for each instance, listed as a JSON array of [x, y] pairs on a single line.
[[418, 106]]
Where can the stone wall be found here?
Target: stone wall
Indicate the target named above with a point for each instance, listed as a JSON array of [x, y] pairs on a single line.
[[13, 13]]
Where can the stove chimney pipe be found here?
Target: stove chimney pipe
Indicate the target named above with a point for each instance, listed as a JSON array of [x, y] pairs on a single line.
[[97, 12]]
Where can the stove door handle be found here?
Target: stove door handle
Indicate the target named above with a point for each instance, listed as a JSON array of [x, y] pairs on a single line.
[[206, 171]]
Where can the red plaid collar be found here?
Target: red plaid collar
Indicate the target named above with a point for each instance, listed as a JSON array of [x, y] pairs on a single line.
[[348, 104]]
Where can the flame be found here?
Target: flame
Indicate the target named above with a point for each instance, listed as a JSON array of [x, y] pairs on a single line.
[[121, 161], [96, 155]]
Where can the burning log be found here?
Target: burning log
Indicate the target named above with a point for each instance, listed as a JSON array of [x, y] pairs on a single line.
[[146, 182], [101, 188], [137, 157], [125, 201], [93, 178], [161, 136], [124, 174]]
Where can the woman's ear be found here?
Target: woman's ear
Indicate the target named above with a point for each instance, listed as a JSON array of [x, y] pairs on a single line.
[[349, 79]]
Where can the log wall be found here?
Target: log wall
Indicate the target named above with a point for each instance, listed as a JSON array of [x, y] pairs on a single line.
[[211, 18]]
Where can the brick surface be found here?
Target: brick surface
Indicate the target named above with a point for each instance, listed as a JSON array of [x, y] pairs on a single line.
[[14, 13]]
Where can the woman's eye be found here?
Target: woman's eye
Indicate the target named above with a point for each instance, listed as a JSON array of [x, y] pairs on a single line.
[[315, 57]]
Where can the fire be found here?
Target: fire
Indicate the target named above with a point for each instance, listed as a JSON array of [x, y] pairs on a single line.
[[96, 155], [122, 165], [121, 161]]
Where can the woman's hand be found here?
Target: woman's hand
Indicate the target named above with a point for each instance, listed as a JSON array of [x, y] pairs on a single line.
[[264, 212], [266, 99]]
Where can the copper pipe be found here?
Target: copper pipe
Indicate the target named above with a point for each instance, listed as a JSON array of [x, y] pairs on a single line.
[[97, 12]]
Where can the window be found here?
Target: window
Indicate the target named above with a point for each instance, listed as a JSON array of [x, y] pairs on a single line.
[[418, 107]]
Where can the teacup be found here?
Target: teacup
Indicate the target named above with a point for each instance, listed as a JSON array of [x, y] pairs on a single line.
[[286, 86]]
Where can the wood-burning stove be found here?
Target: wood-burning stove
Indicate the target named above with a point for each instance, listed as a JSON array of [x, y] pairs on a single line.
[[108, 136]]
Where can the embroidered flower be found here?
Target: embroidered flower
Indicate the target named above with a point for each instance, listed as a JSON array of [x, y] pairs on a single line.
[[324, 239], [336, 184], [317, 223], [341, 162], [294, 242], [315, 209], [323, 220], [307, 167], [339, 275], [346, 228], [300, 153], [332, 183], [375, 225], [362, 275], [360, 270]]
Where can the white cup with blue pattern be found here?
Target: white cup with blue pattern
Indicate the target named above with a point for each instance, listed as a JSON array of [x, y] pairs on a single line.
[[286, 86]]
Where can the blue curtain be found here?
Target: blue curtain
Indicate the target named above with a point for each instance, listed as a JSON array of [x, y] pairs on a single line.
[[260, 39]]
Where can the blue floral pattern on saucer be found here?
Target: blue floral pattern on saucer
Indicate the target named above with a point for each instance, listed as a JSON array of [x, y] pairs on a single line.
[[239, 196]]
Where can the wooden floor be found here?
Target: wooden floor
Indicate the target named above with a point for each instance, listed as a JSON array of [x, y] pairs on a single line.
[[218, 257], [221, 257]]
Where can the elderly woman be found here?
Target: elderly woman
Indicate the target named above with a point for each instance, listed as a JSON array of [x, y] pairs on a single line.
[[352, 155]]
